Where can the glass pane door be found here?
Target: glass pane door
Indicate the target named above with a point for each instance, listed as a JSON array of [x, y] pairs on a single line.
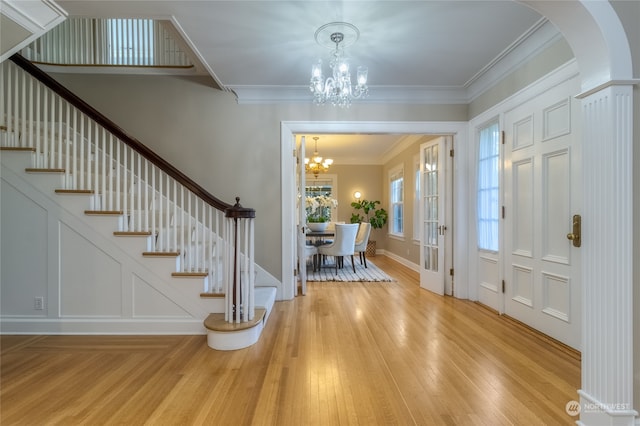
[[432, 241]]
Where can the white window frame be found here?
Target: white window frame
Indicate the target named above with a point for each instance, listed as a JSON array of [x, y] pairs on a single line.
[[488, 217], [331, 180], [395, 174]]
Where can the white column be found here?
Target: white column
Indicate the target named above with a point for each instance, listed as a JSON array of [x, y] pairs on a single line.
[[606, 396]]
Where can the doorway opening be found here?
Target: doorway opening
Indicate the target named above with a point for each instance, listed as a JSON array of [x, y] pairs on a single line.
[[289, 130]]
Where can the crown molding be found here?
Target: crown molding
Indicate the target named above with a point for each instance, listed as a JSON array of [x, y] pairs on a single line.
[[539, 37], [377, 94], [403, 144]]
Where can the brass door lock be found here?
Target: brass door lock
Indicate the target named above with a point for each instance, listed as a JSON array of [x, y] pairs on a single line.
[[575, 236]]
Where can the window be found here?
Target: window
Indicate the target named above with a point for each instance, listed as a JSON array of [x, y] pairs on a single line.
[[416, 198], [488, 187], [396, 191], [324, 191]]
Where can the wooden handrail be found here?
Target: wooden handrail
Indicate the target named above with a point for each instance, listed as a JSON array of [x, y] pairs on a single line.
[[132, 142]]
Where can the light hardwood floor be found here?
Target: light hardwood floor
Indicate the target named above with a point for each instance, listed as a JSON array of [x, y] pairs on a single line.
[[344, 354]]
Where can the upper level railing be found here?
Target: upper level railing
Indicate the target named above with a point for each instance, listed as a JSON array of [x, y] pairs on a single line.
[[109, 42], [209, 237]]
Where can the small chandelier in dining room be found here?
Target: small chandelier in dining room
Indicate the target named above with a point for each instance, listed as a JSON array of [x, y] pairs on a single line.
[[337, 89], [317, 164]]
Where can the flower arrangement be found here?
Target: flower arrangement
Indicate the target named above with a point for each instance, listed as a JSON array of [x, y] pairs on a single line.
[[319, 208]]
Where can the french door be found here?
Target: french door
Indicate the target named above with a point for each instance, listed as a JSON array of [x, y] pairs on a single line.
[[433, 214], [301, 215], [542, 195]]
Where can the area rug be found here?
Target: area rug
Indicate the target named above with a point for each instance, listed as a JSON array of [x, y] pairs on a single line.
[[328, 272]]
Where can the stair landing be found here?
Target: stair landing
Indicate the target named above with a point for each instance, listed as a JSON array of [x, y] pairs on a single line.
[[216, 322], [225, 336]]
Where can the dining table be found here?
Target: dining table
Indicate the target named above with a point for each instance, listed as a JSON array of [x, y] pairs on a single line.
[[318, 237]]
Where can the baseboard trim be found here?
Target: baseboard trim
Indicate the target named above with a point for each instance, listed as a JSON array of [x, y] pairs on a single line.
[[61, 326], [401, 260], [488, 308], [568, 350]]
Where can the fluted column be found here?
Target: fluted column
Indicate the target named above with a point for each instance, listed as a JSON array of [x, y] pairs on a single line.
[[607, 271]]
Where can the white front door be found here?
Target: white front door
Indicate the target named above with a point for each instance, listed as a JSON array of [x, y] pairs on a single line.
[[432, 213], [542, 194]]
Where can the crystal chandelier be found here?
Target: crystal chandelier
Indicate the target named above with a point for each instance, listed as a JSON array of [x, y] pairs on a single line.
[[316, 164], [337, 89]]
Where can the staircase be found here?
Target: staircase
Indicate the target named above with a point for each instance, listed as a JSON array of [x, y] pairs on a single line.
[[104, 236]]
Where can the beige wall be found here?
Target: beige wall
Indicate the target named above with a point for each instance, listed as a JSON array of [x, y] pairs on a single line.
[[364, 178], [405, 247], [230, 149]]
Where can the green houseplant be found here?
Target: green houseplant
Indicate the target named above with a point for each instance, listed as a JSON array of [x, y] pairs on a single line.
[[377, 217]]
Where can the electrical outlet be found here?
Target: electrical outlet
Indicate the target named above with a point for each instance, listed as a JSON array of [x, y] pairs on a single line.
[[38, 303]]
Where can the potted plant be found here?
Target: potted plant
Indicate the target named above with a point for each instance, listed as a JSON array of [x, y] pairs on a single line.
[[318, 210], [377, 217]]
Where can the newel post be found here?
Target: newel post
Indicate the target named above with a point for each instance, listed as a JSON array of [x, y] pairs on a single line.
[[239, 273]]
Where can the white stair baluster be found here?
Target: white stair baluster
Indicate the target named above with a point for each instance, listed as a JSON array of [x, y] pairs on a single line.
[[82, 175], [74, 155], [9, 121], [146, 197], [23, 112], [47, 133], [30, 123], [153, 208], [39, 127]]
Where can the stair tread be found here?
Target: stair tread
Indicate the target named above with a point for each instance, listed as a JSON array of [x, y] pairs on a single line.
[[161, 253], [104, 212], [74, 191], [43, 170], [212, 295], [132, 233], [189, 274], [216, 322], [17, 148]]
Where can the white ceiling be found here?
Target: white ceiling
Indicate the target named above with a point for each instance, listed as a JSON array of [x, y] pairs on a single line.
[[416, 51]]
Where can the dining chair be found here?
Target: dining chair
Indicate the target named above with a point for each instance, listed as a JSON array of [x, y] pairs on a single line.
[[311, 250], [332, 228], [343, 244], [361, 241]]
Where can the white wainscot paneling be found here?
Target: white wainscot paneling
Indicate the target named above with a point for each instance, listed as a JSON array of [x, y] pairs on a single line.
[[523, 208], [523, 285], [556, 296], [488, 277], [523, 133], [90, 279], [148, 302], [556, 120], [24, 253], [557, 217], [488, 272]]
